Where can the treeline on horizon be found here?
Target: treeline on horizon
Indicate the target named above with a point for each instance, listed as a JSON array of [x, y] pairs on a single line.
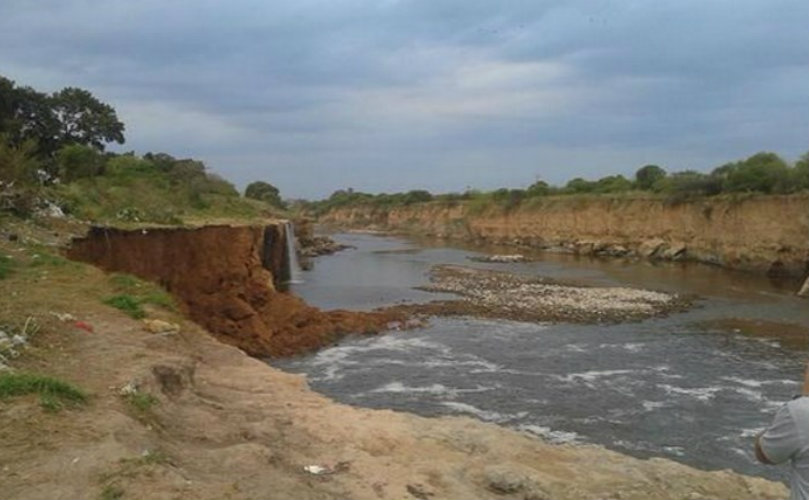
[[52, 152], [763, 172]]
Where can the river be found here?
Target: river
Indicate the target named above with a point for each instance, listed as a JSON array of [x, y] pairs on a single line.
[[694, 387]]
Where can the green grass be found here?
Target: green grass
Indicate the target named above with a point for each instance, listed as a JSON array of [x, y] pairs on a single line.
[[53, 393], [48, 260], [112, 492], [137, 293], [125, 281], [160, 298], [128, 304], [6, 266], [142, 401]]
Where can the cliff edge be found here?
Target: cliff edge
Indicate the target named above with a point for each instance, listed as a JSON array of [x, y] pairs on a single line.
[[767, 234]]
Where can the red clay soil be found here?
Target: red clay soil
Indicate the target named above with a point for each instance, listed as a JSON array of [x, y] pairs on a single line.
[[226, 278]]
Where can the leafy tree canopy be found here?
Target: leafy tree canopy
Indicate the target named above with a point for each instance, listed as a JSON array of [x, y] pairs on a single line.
[[264, 191], [647, 176], [83, 119], [70, 116]]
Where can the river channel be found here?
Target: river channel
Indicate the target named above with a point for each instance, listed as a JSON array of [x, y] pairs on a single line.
[[694, 387]]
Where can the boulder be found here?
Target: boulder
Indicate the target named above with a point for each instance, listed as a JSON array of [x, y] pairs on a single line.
[[675, 252], [652, 247]]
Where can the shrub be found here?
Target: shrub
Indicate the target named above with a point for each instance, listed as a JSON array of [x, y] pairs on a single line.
[[77, 162], [762, 172], [647, 176]]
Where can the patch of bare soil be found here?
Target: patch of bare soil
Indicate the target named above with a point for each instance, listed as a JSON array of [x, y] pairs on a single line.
[[497, 294]]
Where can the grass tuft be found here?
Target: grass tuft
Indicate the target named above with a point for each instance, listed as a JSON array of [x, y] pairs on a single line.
[[142, 401], [128, 304], [142, 292], [112, 492], [53, 393], [6, 265]]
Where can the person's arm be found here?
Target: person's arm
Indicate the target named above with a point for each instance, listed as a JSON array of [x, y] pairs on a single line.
[[760, 456]]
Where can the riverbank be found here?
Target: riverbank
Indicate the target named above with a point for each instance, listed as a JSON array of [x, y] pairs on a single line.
[[759, 233], [181, 414]]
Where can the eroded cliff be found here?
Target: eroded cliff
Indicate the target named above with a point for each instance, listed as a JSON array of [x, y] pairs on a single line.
[[226, 278], [758, 233]]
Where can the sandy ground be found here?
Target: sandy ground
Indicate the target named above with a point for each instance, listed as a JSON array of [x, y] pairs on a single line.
[[229, 426], [225, 425]]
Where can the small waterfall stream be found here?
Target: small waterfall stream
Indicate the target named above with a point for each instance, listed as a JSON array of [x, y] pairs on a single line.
[[293, 268]]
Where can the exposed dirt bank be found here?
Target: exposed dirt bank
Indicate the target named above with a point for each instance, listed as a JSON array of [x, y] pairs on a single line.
[[495, 294], [759, 233], [227, 279]]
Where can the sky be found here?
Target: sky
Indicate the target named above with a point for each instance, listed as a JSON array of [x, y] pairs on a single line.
[[443, 95]]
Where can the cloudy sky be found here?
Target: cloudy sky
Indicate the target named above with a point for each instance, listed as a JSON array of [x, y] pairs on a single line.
[[444, 95]]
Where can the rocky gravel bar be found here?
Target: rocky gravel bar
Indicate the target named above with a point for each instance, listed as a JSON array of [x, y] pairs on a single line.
[[497, 294]]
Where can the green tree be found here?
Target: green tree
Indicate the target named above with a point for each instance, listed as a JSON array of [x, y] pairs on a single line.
[[579, 185], [648, 175], [800, 174], [689, 183], [539, 188], [417, 196], [18, 164], [264, 191], [77, 161], [762, 172], [612, 184], [27, 115], [83, 119]]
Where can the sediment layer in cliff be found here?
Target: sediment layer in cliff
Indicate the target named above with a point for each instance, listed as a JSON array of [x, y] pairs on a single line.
[[227, 279], [757, 233]]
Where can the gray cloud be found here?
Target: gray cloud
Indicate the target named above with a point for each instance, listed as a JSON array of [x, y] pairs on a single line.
[[388, 95]]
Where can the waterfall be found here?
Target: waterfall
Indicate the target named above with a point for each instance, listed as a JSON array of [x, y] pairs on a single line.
[[293, 269]]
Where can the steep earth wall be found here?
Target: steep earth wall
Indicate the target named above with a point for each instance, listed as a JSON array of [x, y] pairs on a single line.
[[759, 233], [226, 278]]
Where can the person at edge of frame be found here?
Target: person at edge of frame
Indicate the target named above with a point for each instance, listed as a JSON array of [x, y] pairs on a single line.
[[787, 438]]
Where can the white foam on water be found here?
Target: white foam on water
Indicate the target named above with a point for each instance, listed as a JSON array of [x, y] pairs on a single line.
[[749, 433], [575, 348], [438, 389], [749, 393], [700, 393], [744, 381], [770, 405], [404, 344], [627, 346], [336, 358], [550, 435], [677, 451], [593, 375], [488, 416], [653, 405]]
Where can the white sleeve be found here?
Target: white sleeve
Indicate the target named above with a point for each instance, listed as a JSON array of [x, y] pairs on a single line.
[[781, 439]]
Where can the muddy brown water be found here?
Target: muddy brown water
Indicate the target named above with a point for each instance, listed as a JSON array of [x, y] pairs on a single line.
[[693, 387]]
